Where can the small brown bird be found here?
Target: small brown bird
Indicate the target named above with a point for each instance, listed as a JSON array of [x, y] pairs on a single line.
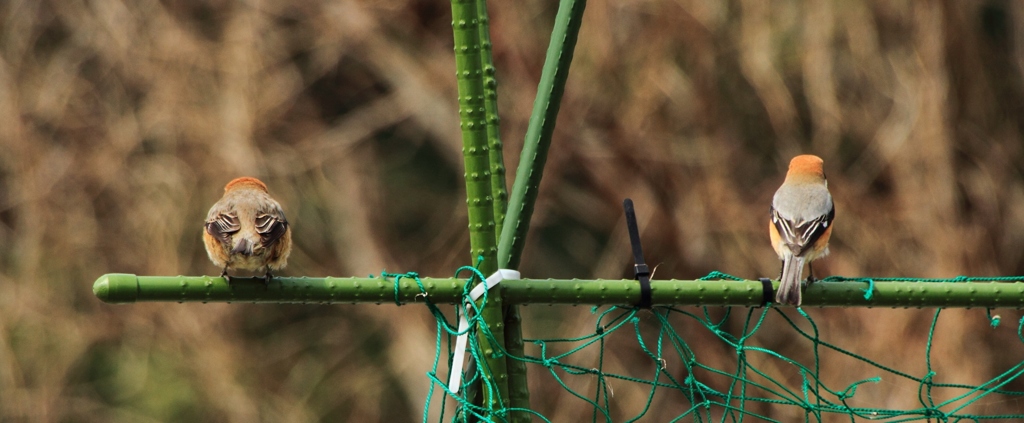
[[800, 224], [246, 229]]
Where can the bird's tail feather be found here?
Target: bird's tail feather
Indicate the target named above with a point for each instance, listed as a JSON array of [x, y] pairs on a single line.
[[789, 283], [244, 246]]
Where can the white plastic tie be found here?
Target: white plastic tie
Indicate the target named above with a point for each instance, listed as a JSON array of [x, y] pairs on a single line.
[[459, 359]]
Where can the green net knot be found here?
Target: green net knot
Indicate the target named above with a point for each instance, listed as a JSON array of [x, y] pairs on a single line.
[[851, 390], [993, 320], [937, 414], [1020, 326], [398, 279], [870, 290]]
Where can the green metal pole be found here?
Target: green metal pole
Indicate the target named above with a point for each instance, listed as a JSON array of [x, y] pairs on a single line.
[[531, 165], [479, 199], [538, 133], [125, 288], [519, 393], [490, 84]]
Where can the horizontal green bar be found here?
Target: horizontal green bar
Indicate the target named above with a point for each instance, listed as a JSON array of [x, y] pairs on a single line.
[[125, 288]]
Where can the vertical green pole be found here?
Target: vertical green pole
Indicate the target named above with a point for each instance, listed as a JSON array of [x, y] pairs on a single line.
[[519, 393], [498, 191], [475, 152], [538, 133]]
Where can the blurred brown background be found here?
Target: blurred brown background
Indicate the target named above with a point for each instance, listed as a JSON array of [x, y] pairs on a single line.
[[120, 122]]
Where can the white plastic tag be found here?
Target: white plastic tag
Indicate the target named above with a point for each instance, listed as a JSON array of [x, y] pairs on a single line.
[[459, 358]]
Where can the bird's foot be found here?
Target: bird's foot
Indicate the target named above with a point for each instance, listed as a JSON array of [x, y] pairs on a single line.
[[267, 278], [224, 274], [809, 281]]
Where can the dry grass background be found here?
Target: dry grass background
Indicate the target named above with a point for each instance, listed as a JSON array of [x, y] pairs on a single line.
[[120, 121]]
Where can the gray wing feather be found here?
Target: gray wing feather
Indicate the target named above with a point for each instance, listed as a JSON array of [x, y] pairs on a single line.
[[799, 236]]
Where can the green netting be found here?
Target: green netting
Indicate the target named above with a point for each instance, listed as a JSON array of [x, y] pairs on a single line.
[[749, 381]]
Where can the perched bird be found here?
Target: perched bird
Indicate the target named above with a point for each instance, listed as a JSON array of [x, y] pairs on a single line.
[[246, 230], [801, 223]]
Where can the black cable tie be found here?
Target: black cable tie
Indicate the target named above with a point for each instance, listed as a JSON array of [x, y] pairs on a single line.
[[767, 292], [640, 270]]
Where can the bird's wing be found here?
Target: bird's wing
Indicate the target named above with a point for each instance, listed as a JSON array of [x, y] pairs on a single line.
[[223, 226], [271, 227], [800, 236]]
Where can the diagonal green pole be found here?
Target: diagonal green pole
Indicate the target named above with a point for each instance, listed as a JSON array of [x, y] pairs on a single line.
[[479, 199], [524, 192], [538, 133]]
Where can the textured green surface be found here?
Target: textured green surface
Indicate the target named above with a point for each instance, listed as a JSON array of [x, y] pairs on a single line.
[[499, 193], [528, 175], [476, 155], [125, 288], [519, 394]]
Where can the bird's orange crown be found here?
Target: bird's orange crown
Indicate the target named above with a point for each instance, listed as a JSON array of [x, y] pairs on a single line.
[[245, 181], [806, 165]]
